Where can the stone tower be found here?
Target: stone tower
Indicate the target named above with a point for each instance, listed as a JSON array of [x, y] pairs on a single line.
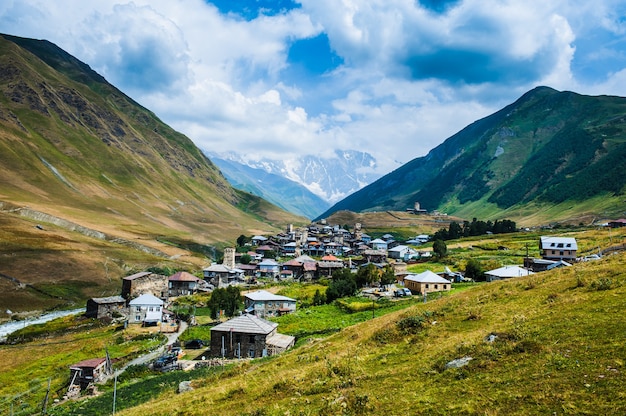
[[358, 234], [229, 257]]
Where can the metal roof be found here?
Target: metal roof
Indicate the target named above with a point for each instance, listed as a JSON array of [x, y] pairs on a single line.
[[565, 243], [247, 324], [146, 299], [263, 295], [426, 277]]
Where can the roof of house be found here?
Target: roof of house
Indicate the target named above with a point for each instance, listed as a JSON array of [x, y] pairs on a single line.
[[329, 257], [248, 324], [568, 243], [109, 299], [90, 363], [293, 263], [426, 277], [509, 271], [268, 262], [264, 295], [280, 341], [399, 248], [330, 264], [217, 268], [183, 277], [378, 241], [137, 275], [146, 299]]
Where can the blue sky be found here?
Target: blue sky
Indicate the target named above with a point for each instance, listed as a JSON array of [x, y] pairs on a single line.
[[284, 78]]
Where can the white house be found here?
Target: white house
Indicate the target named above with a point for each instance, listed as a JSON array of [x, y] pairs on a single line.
[[378, 244], [402, 252], [269, 268], [558, 248], [146, 309], [507, 272]]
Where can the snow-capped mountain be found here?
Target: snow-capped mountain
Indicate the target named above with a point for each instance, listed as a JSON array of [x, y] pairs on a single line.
[[330, 178]]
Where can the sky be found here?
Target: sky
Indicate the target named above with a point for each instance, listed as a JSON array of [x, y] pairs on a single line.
[[283, 78]]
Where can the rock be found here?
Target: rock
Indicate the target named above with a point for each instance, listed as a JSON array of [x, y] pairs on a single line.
[[491, 338], [184, 386], [459, 362]]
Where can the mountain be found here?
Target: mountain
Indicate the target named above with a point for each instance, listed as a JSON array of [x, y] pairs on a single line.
[[330, 178], [282, 192], [94, 186], [548, 156]]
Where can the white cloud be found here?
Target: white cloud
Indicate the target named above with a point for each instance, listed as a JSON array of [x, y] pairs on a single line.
[[410, 78]]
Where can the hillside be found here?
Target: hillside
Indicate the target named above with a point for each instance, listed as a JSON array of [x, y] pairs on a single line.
[[550, 156], [95, 186], [556, 348]]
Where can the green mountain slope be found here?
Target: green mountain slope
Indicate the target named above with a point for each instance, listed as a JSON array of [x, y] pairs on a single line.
[[547, 148], [79, 153], [543, 344]]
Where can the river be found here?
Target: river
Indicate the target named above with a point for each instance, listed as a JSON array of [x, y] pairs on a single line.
[[12, 326]]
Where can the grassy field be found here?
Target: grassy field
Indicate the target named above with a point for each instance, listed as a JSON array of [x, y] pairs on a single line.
[[45, 352], [558, 348]]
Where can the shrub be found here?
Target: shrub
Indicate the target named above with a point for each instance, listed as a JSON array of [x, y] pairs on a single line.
[[411, 324]]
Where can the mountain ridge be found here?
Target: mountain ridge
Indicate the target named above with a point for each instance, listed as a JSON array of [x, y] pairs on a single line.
[[545, 143], [74, 147]]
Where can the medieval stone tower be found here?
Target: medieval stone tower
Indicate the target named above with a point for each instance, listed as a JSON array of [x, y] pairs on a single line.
[[358, 234], [229, 257]]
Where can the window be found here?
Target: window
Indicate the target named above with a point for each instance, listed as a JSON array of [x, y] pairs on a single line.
[[251, 353], [138, 308], [436, 286], [150, 309], [137, 317], [251, 339]]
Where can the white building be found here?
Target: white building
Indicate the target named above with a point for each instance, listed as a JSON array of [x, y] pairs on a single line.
[[146, 309]]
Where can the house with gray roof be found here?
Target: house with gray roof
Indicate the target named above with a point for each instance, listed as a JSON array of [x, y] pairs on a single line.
[[263, 304], [426, 282], [146, 309], [506, 272], [248, 336], [558, 248]]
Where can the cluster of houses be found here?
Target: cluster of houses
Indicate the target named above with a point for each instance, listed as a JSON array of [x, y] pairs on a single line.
[[328, 244]]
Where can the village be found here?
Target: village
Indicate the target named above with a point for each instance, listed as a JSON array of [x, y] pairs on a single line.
[[310, 254]]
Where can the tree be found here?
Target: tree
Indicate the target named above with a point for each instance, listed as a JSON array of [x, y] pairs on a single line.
[[242, 240], [342, 284], [246, 259], [227, 300], [440, 248], [388, 276], [474, 270], [318, 298], [367, 275]]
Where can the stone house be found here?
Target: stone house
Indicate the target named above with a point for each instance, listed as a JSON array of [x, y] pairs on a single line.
[[263, 304], [145, 282], [109, 307], [248, 336], [182, 284]]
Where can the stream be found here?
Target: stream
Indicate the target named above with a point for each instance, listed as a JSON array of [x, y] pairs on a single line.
[[12, 326]]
